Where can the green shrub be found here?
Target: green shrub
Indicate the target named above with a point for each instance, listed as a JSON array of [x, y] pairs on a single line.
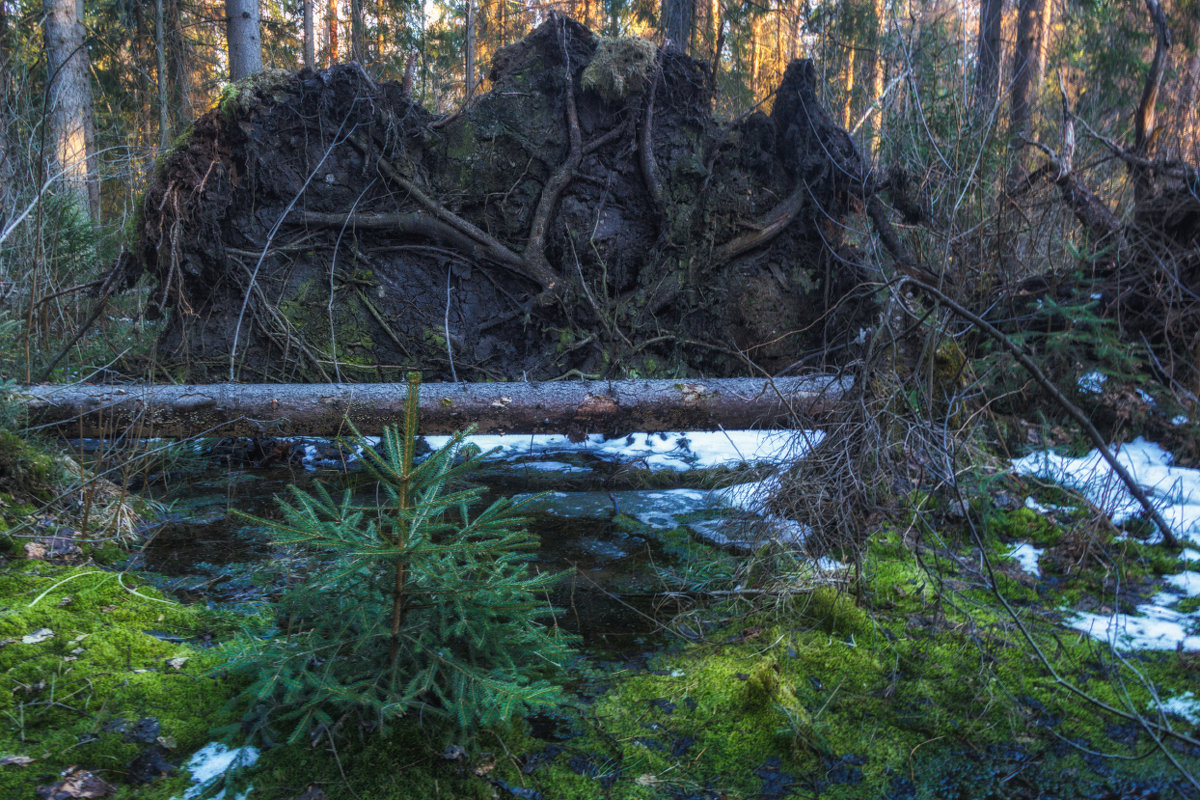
[[419, 610]]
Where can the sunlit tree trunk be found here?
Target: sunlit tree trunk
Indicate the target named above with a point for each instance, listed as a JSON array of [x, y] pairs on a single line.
[[331, 19], [380, 43], [878, 65], [69, 118], [310, 38], [470, 65], [988, 54], [243, 38], [848, 98]]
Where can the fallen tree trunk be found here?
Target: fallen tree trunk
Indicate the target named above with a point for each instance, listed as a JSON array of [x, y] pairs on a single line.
[[608, 407]]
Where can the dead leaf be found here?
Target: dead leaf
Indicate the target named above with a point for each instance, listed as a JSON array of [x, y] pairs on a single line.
[[18, 760], [485, 765], [35, 550], [76, 783], [38, 636], [177, 662]]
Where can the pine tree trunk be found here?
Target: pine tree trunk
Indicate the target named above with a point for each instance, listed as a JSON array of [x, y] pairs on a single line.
[[470, 67], [243, 38], [180, 64], [988, 55], [358, 33], [7, 169], [331, 19], [612, 407], [72, 137], [310, 39], [677, 23], [1025, 68], [160, 61]]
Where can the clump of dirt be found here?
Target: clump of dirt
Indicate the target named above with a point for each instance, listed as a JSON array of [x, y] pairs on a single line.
[[321, 226]]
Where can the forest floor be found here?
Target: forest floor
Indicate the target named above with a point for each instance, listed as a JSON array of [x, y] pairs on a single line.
[[954, 653]]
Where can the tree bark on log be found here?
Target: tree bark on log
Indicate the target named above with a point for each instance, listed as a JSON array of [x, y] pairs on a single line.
[[608, 407]]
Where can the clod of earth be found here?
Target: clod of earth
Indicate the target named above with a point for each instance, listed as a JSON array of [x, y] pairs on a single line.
[[587, 217]]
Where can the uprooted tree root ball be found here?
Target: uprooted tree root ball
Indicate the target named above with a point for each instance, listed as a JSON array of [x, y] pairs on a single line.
[[579, 219]]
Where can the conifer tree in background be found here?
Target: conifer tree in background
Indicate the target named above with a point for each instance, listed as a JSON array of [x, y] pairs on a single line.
[[419, 610]]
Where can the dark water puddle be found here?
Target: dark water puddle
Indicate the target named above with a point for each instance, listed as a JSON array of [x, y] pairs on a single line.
[[610, 593]]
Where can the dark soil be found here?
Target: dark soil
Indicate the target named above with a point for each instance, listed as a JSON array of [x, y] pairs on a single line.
[[320, 226]]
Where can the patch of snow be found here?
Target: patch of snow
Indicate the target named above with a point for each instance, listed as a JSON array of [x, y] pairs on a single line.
[[677, 451], [1187, 582], [1179, 419], [1185, 706], [1092, 383], [1154, 628], [211, 762], [1097, 296], [1146, 398], [1034, 505], [1027, 556], [1174, 491], [554, 466]]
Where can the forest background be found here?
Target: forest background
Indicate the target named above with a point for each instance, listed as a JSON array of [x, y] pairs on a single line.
[[956, 98]]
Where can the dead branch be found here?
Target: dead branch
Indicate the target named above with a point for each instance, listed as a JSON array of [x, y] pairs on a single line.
[[1026, 361], [779, 218]]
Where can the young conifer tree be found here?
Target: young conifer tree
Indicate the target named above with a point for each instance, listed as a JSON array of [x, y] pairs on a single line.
[[420, 610]]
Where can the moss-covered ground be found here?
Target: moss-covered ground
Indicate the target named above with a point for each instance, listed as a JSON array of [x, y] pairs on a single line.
[[902, 676]]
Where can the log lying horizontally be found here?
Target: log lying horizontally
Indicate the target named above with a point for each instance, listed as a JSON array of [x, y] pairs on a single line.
[[608, 407]]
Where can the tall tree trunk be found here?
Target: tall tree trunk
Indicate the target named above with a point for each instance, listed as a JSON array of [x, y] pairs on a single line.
[[848, 98], [988, 55], [180, 63], [380, 40], [242, 36], [1145, 119], [69, 96], [331, 18], [7, 168], [875, 115], [310, 39], [677, 23], [470, 67], [1024, 84], [160, 62], [358, 33]]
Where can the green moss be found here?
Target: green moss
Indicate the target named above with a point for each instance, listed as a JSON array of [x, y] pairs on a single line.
[[240, 97], [63, 698], [1026, 525], [620, 67]]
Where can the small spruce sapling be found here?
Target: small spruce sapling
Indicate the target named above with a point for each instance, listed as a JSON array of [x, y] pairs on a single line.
[[420, 609]]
